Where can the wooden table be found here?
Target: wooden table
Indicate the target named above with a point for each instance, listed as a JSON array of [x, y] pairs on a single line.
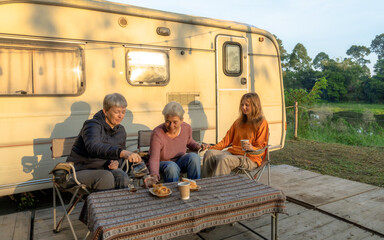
[[140, 215]]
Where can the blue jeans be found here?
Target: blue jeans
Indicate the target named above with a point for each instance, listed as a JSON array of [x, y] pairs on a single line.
[[189, 163]]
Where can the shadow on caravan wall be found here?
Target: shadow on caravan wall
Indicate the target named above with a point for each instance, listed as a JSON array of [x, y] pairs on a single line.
[[37, 164], [41, 162]]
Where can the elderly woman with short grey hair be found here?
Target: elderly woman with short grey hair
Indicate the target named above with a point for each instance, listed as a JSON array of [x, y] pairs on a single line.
[[100, 147], [169, 142]]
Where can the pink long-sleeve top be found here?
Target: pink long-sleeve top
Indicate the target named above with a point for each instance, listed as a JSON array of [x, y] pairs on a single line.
[[164, 148]]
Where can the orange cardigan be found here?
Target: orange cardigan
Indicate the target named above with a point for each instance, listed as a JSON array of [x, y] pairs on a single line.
[[237, 132]]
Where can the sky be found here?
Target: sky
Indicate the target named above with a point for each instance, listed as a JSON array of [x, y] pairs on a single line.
[[330, 26]]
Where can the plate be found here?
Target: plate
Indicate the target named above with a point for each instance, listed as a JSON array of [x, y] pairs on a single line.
[[195, 189], [160, 195]]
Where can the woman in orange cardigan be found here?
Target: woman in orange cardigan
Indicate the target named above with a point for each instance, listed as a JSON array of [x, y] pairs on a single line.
[[250, 125]]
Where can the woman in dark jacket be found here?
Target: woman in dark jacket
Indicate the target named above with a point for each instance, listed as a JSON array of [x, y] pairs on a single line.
[[100, 147]]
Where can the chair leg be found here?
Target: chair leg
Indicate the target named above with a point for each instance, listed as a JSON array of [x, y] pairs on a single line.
[[69, 210], [247, 173], [65, 215], [259, 174], [269, 174], [54, 207]]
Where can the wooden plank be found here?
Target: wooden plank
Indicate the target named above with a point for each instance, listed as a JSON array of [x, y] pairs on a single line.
[[43, 225], [63, 235], [46, 225], [265, 220], [7, 226], [224, 231], [48, 212], [188, 237], [323, 189], [22, 226], [312, 225], [245, 236], [366, 209], [353, 233], [284, 174]]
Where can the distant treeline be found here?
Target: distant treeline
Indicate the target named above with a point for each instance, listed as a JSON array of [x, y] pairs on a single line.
[[347, 79]]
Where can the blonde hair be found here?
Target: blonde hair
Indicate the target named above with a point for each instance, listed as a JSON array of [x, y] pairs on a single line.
[[257, 115]]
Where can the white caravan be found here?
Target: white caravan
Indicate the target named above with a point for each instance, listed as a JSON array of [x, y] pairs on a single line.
[[59, 58]]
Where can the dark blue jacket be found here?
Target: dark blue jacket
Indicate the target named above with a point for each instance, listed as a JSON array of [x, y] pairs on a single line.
[[97, 144]]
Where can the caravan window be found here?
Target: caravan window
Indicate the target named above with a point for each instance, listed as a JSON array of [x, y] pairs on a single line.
[[232, 59], [147, 67], [40, 69]]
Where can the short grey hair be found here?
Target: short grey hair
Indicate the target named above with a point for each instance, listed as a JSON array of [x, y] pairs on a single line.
[[114, 100], [173, 109]]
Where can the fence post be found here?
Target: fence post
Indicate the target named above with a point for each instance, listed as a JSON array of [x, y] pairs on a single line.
[[296, 119]]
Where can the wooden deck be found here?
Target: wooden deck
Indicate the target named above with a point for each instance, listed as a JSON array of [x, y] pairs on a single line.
[[319, 207]]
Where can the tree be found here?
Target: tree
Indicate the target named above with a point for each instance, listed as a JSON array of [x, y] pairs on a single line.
[[373, 89], [377, 46], [358, 53], [379, 69], [303, 97], [320, 59], [344, 79], [283, 53], [299, 59]]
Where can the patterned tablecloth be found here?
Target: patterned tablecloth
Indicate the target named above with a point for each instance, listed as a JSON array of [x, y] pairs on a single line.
[[120, 214]]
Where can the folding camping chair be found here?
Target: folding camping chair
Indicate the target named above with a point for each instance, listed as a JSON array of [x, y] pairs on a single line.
[[64, 180], [144, 140], [257, 173], [143, 143]]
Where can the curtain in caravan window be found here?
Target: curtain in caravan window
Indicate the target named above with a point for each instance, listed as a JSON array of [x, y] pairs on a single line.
[[15, 71], [147, 67], [56, 71]]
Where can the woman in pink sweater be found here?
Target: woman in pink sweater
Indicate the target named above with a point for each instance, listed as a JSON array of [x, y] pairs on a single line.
[[169, 142], [250, 125]]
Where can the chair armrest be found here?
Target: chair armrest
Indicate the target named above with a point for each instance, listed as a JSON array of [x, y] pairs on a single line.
[[69, 167], [74, 173], [258, 151]]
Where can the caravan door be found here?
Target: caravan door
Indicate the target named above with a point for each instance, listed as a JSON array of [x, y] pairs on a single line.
[[232, 81]]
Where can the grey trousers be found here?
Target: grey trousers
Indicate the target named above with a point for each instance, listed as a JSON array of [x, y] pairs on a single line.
[[218, 163], [99, 180]]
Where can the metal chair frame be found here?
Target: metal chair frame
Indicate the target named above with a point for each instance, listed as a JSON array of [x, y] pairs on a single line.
[[62, 147], [144, 139], [260, 169]]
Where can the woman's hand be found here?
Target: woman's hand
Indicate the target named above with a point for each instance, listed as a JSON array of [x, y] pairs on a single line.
[[132, 157], [247, 146], [204, 146], [156, 177], [113, 165]]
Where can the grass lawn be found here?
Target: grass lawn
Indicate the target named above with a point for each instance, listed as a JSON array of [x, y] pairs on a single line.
[[377, 109], [362, 164]]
